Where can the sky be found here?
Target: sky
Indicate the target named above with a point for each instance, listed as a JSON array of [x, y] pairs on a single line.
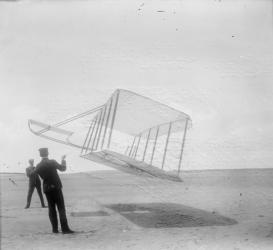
[[210, 59]]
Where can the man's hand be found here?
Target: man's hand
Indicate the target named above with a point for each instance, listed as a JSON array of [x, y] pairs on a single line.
[[62, 166]]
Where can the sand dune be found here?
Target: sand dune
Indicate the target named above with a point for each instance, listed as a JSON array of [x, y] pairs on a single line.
[[228, 209]]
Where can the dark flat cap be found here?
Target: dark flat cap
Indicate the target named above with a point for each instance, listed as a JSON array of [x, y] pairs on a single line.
[[43, 151]]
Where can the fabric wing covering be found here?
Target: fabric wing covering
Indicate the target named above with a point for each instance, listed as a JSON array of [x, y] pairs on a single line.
[[129, 132]]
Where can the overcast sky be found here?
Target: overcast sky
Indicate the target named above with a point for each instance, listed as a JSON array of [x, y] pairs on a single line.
[[210, 59]]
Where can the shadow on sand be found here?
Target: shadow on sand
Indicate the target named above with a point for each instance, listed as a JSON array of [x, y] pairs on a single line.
[[89, 214], [167, 215]]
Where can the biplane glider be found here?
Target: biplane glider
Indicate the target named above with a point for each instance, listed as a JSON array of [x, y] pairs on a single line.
[[129, 132]]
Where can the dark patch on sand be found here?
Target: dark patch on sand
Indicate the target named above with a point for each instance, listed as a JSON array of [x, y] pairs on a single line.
[[89, 214], [167, 215]]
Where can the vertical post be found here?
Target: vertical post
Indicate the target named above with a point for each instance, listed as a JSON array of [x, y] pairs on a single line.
[[182, 145], [103, 117], [132, 146], [137, 146], [113, 120], [106, 124], [87, 136], [152, 157], [147, 141], [166, 145], [95, 137], [95, 123]]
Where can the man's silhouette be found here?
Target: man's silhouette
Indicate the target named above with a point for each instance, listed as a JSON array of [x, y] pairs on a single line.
[[52, 186], [34, 182]]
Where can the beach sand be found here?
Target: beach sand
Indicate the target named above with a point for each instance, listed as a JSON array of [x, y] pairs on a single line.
[[227, 209]]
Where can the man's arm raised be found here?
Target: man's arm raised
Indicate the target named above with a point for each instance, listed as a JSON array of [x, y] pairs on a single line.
[[62, 166]]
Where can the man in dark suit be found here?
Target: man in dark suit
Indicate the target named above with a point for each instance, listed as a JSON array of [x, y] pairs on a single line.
[[52, 186], [34, 182]]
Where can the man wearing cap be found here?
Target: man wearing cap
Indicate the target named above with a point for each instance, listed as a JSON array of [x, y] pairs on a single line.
[[52, 186], [34, 182]]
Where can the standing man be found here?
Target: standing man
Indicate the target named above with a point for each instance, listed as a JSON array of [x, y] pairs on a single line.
[[52, 186], [34, 182]]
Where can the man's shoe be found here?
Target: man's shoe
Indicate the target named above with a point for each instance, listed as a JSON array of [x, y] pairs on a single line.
[[69, 231], [55, 231], [27, 206], [44, 206]]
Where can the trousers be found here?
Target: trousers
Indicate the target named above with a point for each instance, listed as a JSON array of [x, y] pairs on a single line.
[[55, 199], [30, 192]]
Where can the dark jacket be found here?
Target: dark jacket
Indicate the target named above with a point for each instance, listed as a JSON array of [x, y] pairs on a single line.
[[33, 178], [47, 170]]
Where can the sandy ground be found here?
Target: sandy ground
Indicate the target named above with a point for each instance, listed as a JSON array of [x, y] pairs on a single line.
[[230, 209]]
